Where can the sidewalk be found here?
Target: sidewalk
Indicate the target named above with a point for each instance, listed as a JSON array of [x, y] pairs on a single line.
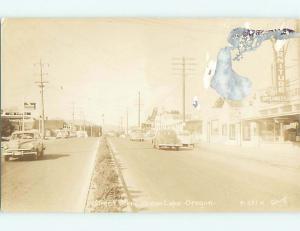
[[275, 154]]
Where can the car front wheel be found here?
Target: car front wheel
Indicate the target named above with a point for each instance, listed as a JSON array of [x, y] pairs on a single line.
[[40, 154], [34, 157]]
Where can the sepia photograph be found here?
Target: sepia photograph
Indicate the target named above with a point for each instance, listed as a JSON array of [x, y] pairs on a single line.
[[139, 115]]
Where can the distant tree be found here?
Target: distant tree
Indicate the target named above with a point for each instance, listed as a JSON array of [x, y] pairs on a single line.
[[6, 127]]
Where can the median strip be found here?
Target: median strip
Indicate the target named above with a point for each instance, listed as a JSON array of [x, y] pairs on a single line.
[[106, 192]]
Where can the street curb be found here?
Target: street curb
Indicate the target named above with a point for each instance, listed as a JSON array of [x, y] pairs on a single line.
[[126, 194], [90, 174]]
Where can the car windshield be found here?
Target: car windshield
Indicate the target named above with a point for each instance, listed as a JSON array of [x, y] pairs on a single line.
[[26, 136]]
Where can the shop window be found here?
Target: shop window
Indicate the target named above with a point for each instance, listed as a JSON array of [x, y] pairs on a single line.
[[224, 130], [215, 127], [247, 131], [200, 128], [232, 131]]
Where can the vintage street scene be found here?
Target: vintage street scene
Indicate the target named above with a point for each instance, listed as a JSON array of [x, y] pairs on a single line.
[[150, 115]]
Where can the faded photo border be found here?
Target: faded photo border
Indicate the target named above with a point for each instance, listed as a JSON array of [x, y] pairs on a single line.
[[154, 8]]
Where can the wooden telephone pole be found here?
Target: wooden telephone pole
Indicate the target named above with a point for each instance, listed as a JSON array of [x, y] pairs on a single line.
[[183, 66], [41, 84], [139, 111]]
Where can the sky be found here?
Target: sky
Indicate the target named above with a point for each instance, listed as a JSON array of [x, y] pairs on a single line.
[[100, 65]]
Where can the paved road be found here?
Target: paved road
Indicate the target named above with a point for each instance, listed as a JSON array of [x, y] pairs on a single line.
[[203, 180], [57, 183]]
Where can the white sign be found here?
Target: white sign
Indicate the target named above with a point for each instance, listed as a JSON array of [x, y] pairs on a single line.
[[30, 105]]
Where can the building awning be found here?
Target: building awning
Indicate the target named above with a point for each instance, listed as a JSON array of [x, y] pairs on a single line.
[[282, 118]]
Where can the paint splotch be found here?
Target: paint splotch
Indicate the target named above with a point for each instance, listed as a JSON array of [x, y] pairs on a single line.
[[245, 40], [225, 80]]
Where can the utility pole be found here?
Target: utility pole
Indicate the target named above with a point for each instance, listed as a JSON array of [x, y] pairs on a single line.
[[126, 121], [39, 124], [121, 124], [41, 84], [84, 122], [139, 111], [23, 116], [73, 115], [184, 65], [102, 124], [80, 119], [183, 89]]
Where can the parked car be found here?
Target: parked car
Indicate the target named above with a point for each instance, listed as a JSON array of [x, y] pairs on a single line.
[[23, 144], [111, 134], [72, 134], [149, 135], [166, 139], [186, 139], [81, 134], [136, 135], [61, 134], [4, 139]]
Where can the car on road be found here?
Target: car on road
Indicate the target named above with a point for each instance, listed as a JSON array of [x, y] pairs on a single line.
[[4, 139], [61, 134], [137, 135], [72, 134], [149, 135], [186, 139], [111, 134], [166, 139], [81, 134], [23, 144]]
